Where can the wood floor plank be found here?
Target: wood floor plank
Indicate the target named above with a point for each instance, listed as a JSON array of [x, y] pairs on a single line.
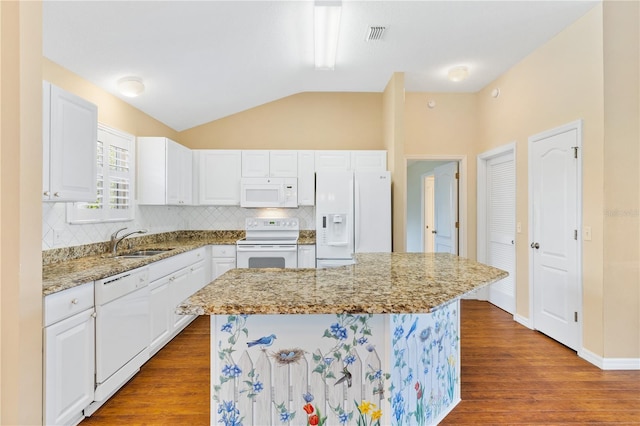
[[510, 376]]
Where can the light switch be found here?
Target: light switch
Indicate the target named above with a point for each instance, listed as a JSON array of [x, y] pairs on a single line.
[[586, 233]]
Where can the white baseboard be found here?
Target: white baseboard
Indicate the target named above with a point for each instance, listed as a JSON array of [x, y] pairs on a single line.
[[609, 363], [523, 321]]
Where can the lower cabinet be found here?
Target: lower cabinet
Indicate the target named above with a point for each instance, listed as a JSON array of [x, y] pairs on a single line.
[[69, 355], [223, 258], [306, 256]]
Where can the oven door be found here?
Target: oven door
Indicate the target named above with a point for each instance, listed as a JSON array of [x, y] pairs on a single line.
[[267, 256]]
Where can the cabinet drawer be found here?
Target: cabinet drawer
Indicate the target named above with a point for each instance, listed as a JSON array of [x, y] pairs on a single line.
[[225, 250], [63, 304], [169, 265]]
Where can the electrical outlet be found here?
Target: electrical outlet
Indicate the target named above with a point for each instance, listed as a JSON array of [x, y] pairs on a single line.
[[519, 227], [586, 233], [57, 236]]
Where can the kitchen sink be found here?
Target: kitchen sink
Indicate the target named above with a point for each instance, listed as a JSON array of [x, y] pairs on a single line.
[[144, 253]]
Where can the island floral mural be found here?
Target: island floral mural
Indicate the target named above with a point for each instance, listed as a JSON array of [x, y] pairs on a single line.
[[326, 370], [425, 370]]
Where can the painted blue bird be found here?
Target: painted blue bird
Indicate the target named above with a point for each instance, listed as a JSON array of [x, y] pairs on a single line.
[[263, 341], [412, 328]]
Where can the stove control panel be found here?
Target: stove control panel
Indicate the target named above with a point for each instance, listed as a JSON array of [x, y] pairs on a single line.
[[270, 224]]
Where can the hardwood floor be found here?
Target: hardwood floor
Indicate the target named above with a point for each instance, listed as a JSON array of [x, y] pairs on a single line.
[[510, 375]]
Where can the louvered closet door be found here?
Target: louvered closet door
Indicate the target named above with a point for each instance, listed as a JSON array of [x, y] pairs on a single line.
[[501, 213]]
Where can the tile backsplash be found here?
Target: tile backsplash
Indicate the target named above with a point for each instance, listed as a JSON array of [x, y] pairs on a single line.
[[57, 233]]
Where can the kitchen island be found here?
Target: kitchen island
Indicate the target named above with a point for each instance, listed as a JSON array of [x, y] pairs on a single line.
[[377, 341]]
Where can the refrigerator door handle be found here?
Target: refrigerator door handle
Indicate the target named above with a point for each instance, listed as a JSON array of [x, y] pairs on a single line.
[[339, 244]]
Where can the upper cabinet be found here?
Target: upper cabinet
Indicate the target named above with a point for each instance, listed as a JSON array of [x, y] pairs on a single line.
[[332, 160], [364, 160], [217, 177], [375, 161], [70, 138], [165, 170], [266, 163], [306, 178]]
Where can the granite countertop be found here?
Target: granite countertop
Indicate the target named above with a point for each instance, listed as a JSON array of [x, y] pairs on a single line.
[[378, 283]]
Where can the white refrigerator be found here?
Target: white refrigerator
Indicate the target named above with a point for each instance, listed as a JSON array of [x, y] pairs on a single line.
[[353, 215]]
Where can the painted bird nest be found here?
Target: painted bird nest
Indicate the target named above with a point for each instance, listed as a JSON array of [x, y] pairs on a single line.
[[287, 356]]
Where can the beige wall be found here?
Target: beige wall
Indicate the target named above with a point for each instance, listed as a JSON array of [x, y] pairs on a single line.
[[20, 213], [112, 111], [448, 129], [303, 121], [621, 183]]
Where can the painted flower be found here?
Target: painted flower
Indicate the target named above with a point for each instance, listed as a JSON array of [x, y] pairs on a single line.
[[258, 387], [452, 360], [339, 331], [371, 348], [228, 327], [328, 360], [365, 407], [417, 386], [314, 419], [308, 408], [307, 397], [350, 360], [398, 332], [343, 418], [362, 340], [231, 370], [285, 416], [376, 415]]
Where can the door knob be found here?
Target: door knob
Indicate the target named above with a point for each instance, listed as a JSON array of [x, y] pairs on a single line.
[[434, 232], [535, 246]]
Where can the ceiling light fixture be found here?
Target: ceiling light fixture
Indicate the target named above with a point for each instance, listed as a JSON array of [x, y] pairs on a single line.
[[130, 86], [458, 73], [326, 25]]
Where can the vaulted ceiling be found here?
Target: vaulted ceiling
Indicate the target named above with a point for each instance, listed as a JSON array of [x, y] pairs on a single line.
[[204, 60]]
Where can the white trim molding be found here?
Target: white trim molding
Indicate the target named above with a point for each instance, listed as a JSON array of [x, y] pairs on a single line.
[[609, 363]]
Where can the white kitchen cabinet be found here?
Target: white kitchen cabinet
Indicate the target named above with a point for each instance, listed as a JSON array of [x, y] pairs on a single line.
[[332, 160], [266, 163], [173, 280], [223, 258], [70, 138], [306, 178], [217, 174], [375, 161], [164, 172], [283, 163], [306, 256], [69, 354]]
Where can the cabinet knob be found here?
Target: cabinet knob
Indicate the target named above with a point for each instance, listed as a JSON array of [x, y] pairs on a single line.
[[56, 194], [75, 301], [46, 193], [94, 314]]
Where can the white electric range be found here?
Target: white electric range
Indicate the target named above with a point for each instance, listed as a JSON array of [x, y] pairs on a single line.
[[269, 243]]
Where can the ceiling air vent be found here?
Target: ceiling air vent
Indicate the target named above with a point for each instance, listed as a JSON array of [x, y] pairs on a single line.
[[375, 33]]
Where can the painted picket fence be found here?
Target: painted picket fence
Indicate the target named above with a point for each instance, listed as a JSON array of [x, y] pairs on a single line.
[[269, 391]]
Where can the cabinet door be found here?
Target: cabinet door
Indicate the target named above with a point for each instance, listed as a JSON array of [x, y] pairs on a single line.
[[174, 179], [69, 368], [46, 135], [72, 152], [186, 176], [283, 163], [180, 290], [197, 277], [333, 160], [151, 163], [255, 163], [306, 178], [375, 161], [307, 256], [221, 265], [219, 177], [161, 314]]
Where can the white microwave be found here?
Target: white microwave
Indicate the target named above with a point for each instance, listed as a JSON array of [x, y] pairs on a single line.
[[269, 192]]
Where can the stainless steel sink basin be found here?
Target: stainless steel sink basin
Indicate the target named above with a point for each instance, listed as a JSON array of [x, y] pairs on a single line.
[[144, 253]]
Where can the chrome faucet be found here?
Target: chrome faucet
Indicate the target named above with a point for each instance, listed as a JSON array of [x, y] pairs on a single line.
[[113, 243]]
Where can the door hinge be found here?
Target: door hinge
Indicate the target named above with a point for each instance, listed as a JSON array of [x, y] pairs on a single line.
[[575, 234], [457, 175], [457, 225], [575, 317], [575, 151]]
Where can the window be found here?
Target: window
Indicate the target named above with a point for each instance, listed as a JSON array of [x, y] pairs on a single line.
[[114, 183]]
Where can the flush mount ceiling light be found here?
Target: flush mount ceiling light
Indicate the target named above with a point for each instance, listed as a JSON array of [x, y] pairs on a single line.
[[326, 26], [130, 86], [458, 73]]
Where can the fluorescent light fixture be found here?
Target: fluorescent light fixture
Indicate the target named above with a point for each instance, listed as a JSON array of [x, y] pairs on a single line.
[[458, 73], [326, 25], [130, 86]]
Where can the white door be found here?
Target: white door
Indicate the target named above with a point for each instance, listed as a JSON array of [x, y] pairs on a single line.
[[554, 201], [429, 211], [500, 227], [446, 208]]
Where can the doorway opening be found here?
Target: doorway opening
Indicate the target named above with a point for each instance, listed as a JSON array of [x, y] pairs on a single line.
[[426, 211]]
